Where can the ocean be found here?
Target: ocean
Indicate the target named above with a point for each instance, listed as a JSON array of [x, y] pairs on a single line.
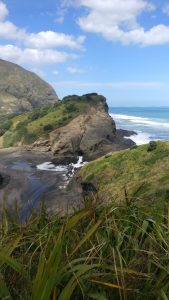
[[150, 123]]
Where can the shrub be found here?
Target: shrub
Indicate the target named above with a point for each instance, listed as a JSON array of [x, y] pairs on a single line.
[[47, 127], [133, 147], [71, 107], [5, 125], [21, 125], [34, 115], [2, 131], [30, 138], [65, 118]]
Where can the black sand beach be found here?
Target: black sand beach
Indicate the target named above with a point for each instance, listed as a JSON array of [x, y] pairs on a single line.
[[25, 184]]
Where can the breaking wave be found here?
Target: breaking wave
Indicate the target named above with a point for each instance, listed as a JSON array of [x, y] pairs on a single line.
[[141, 120]]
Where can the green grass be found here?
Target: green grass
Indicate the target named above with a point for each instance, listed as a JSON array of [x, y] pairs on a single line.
[[138, 172], [101, 252], [115, 248], [28, 127]]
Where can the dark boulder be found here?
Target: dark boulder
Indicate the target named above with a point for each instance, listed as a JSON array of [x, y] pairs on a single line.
[[1, 179], [88, 188], [152, 146], [4, 180]]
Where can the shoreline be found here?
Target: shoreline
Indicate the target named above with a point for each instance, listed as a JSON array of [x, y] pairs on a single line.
[[149, 123], [29, 186]]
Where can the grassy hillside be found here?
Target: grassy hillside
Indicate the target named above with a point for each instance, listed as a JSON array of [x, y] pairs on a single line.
[[132, 175], [28, 127]]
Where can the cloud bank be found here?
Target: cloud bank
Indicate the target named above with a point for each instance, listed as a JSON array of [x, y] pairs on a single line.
[[119, 21], [35, 49]]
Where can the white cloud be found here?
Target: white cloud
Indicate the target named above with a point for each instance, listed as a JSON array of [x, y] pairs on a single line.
[[33, 57], [35, 49], [9, 31], [51, 39], [75, 70], [61, 12], [55, 72], [3, 11], [118, 21], [40, 40], [166, 9]]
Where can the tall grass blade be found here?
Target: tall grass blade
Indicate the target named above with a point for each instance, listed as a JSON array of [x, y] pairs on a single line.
[[87, 236], [76, 219], [74, 281], [112, 285], [14, 264], [97, 296], [4, 292], [46, 281]]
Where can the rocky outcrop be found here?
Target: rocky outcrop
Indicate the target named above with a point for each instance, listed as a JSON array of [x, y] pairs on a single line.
[[21, 90], [1, 179], [4, 180], [91, 134]]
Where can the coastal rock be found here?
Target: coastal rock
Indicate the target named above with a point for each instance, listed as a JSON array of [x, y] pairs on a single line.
[[1, 179], [41, 145], [91, 134], [4, 180], [22, 90]]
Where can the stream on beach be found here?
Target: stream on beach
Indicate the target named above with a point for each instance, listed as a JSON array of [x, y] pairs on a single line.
[[34, 178]]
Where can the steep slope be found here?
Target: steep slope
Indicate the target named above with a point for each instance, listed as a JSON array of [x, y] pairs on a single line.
[[131, 175], [76, 125], [21, 90]]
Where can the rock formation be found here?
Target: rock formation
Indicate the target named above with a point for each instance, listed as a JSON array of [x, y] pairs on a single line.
[[91, 134], [21, 90]]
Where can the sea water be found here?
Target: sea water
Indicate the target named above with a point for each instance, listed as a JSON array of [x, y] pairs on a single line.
[[150, 123]]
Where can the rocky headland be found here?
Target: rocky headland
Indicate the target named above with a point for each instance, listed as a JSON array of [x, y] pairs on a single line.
[[35, 128], [87, 131], [92, 133]]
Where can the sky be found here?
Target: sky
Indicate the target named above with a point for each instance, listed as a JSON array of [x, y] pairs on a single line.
[[117, 48]]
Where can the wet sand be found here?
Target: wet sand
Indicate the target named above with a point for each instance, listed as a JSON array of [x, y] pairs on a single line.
[[28, 186]]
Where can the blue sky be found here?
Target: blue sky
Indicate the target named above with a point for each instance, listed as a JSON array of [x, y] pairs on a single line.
[[118, 48]]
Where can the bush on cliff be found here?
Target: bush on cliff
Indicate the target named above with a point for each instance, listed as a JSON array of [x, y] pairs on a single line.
[[47, 127]]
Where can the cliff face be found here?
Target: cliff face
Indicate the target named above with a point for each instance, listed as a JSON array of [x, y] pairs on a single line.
[[21, 90], [91, 134]]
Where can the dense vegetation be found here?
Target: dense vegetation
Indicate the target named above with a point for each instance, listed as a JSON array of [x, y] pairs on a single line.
[[5, 123], [101, 252], [28, 127]]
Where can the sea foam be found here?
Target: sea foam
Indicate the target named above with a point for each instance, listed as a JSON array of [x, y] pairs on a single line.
[[140, 138], [49, 166], [141, 120], [147, 128]]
